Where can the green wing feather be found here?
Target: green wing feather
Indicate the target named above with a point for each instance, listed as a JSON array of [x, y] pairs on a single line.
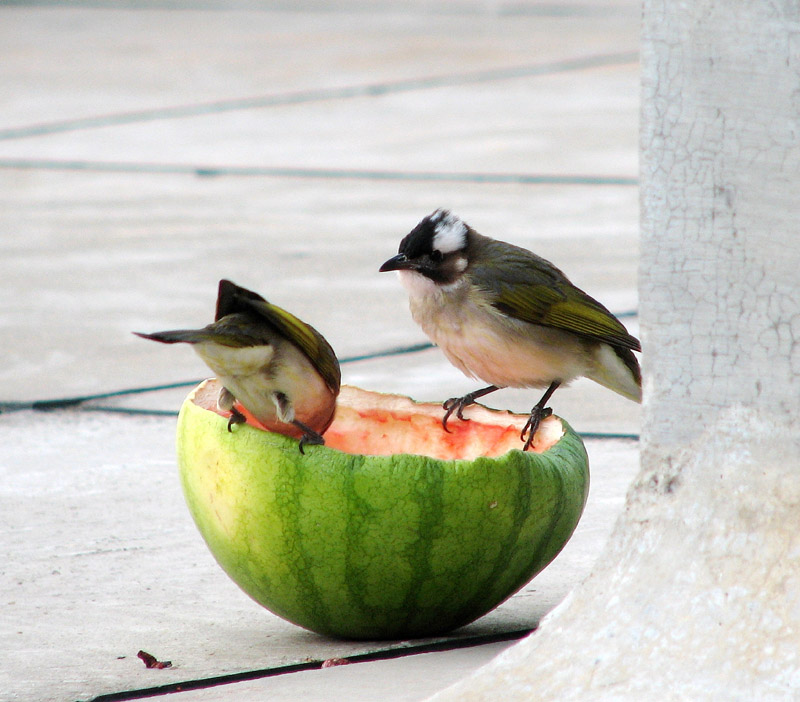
[[306, 338], [233, 299], [535, 291]]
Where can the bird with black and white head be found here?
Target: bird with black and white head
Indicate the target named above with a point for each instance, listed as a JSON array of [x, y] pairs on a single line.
[[508, 317]]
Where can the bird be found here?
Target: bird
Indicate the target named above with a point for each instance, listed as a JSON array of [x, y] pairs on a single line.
[[276, 366], [505, 316]]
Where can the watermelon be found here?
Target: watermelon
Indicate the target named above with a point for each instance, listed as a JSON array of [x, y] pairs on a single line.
[[394, 528]]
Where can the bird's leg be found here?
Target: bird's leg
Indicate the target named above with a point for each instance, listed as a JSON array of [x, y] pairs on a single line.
[[286, 414], [538, 413], [458, 404], [225, 401], [310, 437]]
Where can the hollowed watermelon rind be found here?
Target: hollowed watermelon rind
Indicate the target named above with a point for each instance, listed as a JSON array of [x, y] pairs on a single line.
[[376, 547]]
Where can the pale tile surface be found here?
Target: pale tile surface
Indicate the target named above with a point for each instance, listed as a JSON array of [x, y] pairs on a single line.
[[101, 558]]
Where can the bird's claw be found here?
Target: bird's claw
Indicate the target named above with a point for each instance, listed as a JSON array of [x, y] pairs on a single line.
[[309, 438], [236, 418], [457, 405], [537, 415]]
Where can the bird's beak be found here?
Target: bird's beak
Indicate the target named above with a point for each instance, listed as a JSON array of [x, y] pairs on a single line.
[[396, 263]]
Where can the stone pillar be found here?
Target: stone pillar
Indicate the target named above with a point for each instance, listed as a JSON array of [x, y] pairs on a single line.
[[697, 594]]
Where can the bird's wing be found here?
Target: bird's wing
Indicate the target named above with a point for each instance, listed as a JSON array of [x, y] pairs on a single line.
[[535, 291], [302, 335]]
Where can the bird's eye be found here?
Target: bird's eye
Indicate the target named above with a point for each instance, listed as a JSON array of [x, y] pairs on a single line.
[[436, 256]]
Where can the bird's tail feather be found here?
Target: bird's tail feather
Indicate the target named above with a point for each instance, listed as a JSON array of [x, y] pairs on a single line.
[[618, 370], [189, 336]]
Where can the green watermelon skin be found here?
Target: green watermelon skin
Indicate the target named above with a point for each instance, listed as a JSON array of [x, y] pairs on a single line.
[[376, 547]]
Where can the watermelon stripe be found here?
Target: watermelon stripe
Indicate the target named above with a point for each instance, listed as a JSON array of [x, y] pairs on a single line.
[[303, 557], [430, 502], [494, 582]]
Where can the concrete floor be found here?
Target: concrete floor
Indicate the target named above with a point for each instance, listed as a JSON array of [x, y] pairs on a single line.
[[147, 151]]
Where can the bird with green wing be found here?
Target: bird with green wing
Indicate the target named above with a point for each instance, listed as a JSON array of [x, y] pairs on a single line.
[[508, 317], [276, 366]]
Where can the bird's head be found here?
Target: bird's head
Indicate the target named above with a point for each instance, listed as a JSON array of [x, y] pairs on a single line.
[[436, 249]]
